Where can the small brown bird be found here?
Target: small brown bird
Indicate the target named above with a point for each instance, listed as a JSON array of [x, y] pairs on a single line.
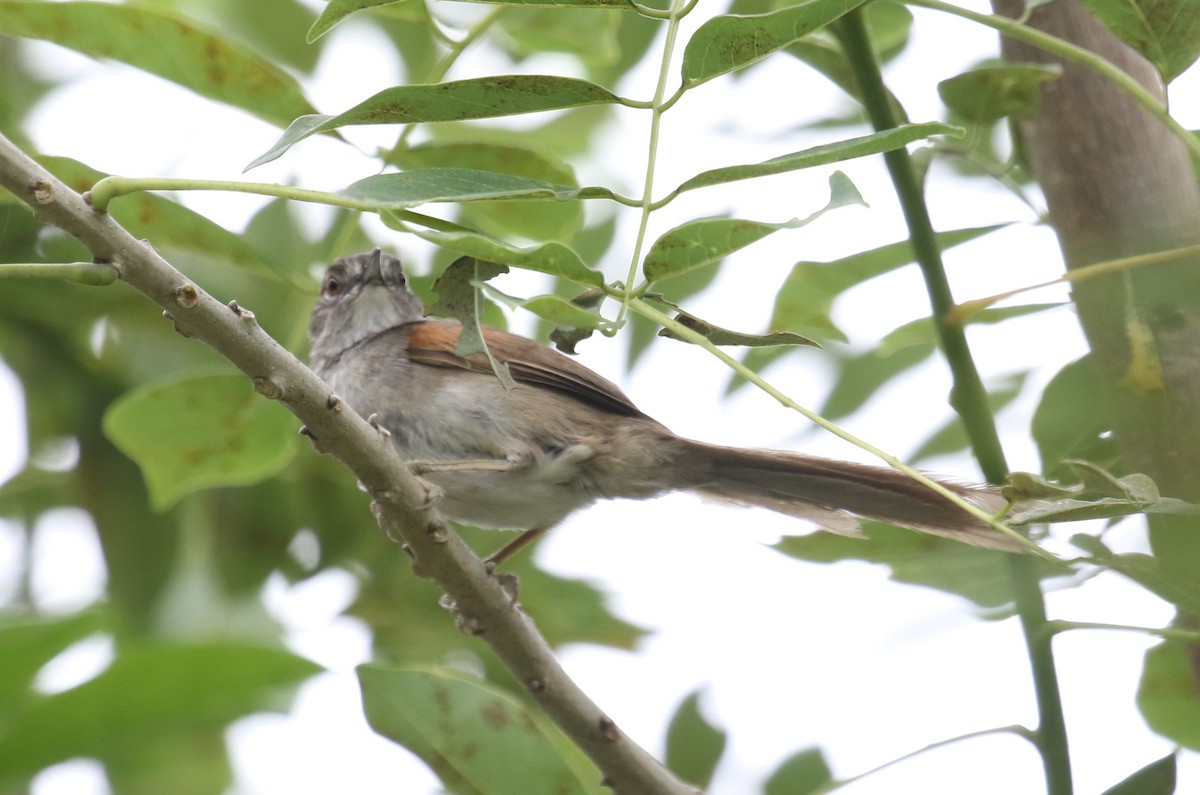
[[564, 437]]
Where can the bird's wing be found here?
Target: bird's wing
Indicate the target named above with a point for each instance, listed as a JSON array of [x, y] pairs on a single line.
[[433, 342]]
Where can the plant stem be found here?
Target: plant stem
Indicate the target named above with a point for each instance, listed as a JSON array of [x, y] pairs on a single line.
[[968, 397], [93, 274], [678, 9]]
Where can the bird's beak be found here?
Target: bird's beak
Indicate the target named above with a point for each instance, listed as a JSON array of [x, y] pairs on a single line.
[[374, 271]]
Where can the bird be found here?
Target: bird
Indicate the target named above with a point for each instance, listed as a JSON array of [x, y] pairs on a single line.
[[524, 456]]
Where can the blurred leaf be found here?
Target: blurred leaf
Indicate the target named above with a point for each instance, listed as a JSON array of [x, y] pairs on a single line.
[[164, 44], [980, 575], [148, 693], [801, 773], [1072, 421], [889, 25], [952, 437], [477, 98], [1156, 778], [989, 93], [476, 738], [172, 227], [274, 28], [694, 746], [553, 308], [191, 763], [546, 29], [1168, 694], [922, 330], [860, 377], [725, 43], [336, 11], [873, 144], [563, 3], [412, 188], [1180, 589], [197, 432], [536, 220], [552, 258], [1167, 32], [804, 301], [410, 627], [698, 243], [27, 644]]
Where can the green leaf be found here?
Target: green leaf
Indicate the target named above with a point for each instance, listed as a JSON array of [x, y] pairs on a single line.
[[166, 44], [171, 226], [535, 220], [873, 144], [922, 330], [980, 575], [458, 290], [26, 644], [1182, 590], [1156, 778], [1072, 421], [806, 298], [698, 243], [1167, 32], [563, 3], [197, 432], [952, 437], [694, 746], [721, 336], [412, 188], [1101, 496], [337, 10], [147, 693], [801, 773], [552, 258], [861, 376], [476, 738], [1168, 695], [477, 98], [553, 308], [534, 31], [989, 93], [725, 43]]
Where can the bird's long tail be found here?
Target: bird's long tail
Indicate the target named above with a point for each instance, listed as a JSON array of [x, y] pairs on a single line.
[[833, 493]]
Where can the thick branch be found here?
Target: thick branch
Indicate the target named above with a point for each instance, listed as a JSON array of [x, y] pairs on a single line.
[[1119, 184], [481, 601]]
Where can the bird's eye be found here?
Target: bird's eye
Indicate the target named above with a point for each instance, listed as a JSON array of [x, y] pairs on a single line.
[[333, 285]]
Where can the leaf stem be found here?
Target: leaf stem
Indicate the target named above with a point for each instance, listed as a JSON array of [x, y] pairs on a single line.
[[968, 308], [93, 274], [1016, 730], [678, 9], [968, 396], [1170, 633]]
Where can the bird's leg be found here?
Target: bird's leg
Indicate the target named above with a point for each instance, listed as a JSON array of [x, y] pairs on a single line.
[[477, 465], [516, 545]]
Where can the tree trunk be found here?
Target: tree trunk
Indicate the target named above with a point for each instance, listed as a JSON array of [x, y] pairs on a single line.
[[1117, 184]]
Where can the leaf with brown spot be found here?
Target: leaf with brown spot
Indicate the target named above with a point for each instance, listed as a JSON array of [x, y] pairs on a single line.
[[166, 45], [475, 737]]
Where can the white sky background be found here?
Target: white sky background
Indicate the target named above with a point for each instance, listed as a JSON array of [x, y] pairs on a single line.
[[789, 654]]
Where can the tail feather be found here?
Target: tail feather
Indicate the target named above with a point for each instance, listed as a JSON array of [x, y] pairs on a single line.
[[835, 494]]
